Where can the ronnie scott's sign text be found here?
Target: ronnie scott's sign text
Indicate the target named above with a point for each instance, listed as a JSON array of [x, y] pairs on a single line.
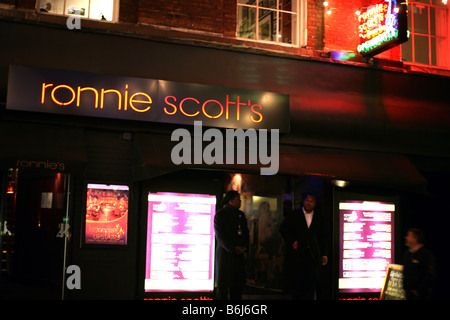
[[381, 27], [129, 98]]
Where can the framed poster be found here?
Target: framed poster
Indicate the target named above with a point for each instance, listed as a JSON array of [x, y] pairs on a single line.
[[106, 220], [180, 242], [366, 244]]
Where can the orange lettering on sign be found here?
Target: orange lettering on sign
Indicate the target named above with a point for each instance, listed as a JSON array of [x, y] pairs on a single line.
[[64, 95], [122, 99]]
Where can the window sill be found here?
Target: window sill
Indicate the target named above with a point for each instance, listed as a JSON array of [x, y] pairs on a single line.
[[423, 68]]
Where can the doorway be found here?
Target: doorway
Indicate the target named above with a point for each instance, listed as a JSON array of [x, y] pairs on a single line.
[[33, 246]]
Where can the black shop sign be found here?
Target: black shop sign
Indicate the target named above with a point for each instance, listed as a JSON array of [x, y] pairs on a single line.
[[130, 98]]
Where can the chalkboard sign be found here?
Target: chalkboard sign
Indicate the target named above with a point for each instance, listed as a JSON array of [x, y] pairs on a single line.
[[393, 283]]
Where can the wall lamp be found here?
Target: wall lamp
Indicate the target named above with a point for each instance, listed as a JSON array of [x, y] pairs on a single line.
[[340, 183]]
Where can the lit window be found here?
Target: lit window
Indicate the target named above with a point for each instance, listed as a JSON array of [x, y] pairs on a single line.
[[272, 20], [91, 9], [429, 29]]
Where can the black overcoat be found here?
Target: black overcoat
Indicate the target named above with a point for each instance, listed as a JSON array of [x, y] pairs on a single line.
[[231, 230], [311, 247]]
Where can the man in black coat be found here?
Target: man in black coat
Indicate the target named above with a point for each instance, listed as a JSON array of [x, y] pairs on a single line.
[[305, 235], [419, 267], [232, 236]]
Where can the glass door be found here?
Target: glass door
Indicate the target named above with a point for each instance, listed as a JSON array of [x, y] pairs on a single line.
[[33, 237]]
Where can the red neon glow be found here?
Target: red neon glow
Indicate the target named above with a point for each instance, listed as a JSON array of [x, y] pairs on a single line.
[[372, 22]]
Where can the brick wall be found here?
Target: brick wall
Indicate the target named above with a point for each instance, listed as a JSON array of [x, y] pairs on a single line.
[[341, 26], [315, 24], [25, 4], [128, 11], [337, 32], [199, 15]]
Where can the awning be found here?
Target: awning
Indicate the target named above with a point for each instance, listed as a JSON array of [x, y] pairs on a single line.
[[30, 144], [362, 166], [387, 169]]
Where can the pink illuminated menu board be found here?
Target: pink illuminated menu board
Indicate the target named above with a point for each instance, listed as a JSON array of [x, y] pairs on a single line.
[[180, 242], [366, 244], [106, 214]]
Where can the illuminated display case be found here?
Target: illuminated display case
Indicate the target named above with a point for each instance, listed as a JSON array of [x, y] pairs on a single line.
[[365, 241], [106, 220]]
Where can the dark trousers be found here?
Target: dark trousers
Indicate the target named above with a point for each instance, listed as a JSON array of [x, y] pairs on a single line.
[[307, 282]]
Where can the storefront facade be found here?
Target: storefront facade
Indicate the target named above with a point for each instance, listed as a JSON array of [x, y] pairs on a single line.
[[383, 131]]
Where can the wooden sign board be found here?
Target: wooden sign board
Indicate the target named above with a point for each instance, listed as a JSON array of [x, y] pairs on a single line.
[[393, 283]]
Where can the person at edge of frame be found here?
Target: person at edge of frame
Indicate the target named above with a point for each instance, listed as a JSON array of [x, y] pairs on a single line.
[[419, 267]]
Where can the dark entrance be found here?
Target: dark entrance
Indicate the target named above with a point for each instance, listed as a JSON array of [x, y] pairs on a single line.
[[33, 246]]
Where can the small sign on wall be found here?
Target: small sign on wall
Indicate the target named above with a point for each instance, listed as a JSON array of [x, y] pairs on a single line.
[[46, 200]]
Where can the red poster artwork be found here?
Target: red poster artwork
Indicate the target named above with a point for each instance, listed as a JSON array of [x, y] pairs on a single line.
[[106, 214]]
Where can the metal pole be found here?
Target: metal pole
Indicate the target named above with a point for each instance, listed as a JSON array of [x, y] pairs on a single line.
[[66, 219]]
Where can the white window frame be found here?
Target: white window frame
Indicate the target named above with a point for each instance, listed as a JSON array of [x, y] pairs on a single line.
[[115, 14], [411, 39], [299, 34]]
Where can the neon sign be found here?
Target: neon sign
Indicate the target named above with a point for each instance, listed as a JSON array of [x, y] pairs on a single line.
[[180, 242], [381, 27], [130, 98]]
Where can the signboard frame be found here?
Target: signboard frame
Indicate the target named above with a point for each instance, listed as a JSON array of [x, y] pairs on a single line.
[[389, 269], [354, 194], [391, 30], [106, 225], [75, 93]]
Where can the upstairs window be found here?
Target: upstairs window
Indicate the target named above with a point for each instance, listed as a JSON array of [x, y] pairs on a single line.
[[428, 23], [105, 10], [271, 20]]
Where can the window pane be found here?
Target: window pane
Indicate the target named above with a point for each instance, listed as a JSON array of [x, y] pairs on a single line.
[[77, 7], [51, 6], [286, 5], [287, 25], [267, 25], [268, 3], [433, 21], [407, 50], [252, 2], [420, 19], [247, 22], [102, 10], [268, 20], [421, 49], [433, 51]]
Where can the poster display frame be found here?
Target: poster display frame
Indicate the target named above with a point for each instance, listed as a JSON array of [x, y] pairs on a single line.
[[83, 242], [172, 185], [370, 196]]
